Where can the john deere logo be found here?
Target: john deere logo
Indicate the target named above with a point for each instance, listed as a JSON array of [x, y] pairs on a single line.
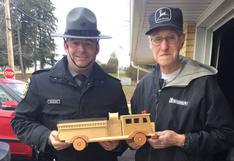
[[162, 15]]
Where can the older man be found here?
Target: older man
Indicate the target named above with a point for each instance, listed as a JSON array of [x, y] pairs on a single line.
[[193, 120]]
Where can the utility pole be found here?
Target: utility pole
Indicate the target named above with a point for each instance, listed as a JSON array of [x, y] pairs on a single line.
[[21, 55], [9, 34]]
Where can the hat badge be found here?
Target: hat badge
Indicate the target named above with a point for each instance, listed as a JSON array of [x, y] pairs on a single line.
[[162, 15]]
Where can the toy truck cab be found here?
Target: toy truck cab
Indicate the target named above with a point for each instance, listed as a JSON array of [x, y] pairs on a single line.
[[137, 127]]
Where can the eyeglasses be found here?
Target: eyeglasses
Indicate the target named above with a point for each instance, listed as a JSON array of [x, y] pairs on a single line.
[[170, 39]]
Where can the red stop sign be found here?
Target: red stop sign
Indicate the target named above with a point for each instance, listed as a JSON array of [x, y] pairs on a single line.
[[9, 73]]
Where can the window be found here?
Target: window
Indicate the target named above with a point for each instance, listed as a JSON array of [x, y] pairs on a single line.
[[144, 120], [136, 120], [18, 88], [4, 96], [128, 121]]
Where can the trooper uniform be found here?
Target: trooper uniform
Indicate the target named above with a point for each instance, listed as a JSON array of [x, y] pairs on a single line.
[[54, 95]]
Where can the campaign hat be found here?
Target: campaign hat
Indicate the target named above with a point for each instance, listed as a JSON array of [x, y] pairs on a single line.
[[81, 23]]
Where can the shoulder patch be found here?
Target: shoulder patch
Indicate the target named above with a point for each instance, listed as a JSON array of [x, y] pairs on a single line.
[[40, 71]]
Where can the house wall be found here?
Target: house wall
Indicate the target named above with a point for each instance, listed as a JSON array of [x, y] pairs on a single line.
[[189, 31]]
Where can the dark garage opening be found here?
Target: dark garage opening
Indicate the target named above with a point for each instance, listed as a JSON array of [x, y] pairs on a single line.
[[223, 59]]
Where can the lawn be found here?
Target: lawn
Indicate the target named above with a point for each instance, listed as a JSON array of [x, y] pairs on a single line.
[[121, 74], [128, 90]]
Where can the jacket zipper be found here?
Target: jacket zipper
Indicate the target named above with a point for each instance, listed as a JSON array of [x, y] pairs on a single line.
[[83, 91], [158, 94]]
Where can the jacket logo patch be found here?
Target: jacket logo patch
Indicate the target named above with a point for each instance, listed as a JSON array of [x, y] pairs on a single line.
[[53, 101], [178, 102]]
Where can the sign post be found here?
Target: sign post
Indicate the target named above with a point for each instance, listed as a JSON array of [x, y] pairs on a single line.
[[9, 73]]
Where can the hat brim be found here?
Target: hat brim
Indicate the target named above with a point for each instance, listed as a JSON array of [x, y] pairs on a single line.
[[163, 25], [81, 37]]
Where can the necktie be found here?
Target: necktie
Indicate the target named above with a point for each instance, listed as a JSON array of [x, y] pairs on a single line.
[[80, 80]]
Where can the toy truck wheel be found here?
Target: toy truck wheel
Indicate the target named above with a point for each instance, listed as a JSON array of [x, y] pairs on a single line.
[[79, 144], [139, 139]]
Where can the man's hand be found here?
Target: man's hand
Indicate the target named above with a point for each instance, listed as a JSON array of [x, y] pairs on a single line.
[[109, 145], [55, 142], [165, 139]]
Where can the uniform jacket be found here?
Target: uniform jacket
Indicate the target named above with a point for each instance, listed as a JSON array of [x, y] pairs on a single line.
[[192, 104], [53, 95]]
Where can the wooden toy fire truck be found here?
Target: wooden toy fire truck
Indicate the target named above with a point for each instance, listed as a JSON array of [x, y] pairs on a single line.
[[126, 127]]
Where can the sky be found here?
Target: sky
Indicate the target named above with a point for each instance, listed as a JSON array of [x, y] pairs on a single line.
[[113, 19]]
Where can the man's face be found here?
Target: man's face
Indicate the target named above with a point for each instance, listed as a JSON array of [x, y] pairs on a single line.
[[165, 44], [81, 53]]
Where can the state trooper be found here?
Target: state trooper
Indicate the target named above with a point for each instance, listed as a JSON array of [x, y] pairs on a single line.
[[75, 88]]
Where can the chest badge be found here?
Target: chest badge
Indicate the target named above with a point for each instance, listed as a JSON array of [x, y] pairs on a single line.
[[53, 101]]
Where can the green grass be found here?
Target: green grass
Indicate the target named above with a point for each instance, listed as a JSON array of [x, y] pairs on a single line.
[[121, 74], [128, 90]]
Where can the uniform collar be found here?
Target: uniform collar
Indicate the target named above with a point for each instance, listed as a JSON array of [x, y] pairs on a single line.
[[74, 73]]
